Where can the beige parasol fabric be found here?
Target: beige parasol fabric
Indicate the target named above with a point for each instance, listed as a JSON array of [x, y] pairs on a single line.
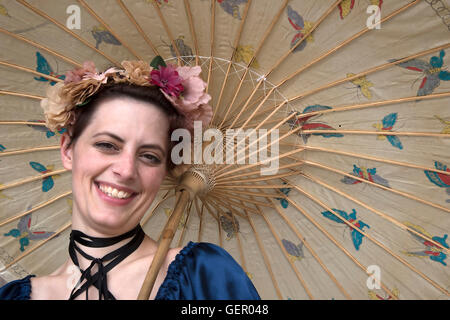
[[360, 105]]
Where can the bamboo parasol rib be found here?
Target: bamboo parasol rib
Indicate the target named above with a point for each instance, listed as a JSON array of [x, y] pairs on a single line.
[[39, 206], [379, 213], [40, 46], [29, 150], [321, 19], [138, 27], [404, 194], [169, 33], [264, 38], [64, 28], [31, 179], [236, 43], [335, 242], [378, 243], [265, 257], [314, 61], [357, 106], [239, 191], [187, 7], [297, 273], [211, 48], [310, 249], [368, 157], [97, 17], [21, 68], [33, 249], [21, 94]]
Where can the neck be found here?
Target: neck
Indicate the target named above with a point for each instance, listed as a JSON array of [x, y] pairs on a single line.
[[99, 245]]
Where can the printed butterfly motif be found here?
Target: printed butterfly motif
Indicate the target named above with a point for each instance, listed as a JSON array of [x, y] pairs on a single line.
[[4, 11], [44, 67], [432, 72], [2, 195], [295, 251], [362, 84], [245, 54], [346, 6], [387, 125], [101, 34], [306, 124], [232, 7], [182, 222], [369, 174], [284, 203], [24, 232], [301, 28], [431, 250], [440, 179], [373, 295], [230, 224], [47, 183], [48, 132], [356, 236], [158, 2], [183, 49], [446, 129]]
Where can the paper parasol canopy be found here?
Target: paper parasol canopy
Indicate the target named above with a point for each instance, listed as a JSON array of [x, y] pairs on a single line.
[[353, 97]]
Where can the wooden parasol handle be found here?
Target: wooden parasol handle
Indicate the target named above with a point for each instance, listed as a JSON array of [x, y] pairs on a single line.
[[193, 181], [164, 244]]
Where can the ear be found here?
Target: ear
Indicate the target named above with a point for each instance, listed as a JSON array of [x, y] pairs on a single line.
[[66, 151]]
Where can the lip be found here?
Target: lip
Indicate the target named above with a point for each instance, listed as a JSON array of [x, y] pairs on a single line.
[[115, 201]]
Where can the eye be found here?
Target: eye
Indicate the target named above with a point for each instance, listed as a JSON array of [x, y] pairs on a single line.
[[150, 158], [106, 146]]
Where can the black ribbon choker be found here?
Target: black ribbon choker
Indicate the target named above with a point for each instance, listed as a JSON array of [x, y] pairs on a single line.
[[99, 279]]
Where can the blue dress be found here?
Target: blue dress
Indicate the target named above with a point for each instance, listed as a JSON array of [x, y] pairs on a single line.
[[200, 271]]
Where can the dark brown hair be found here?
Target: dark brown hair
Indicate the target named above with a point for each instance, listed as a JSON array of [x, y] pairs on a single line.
[[147, 94]]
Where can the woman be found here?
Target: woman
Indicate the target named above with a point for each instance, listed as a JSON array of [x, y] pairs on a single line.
[[117, 145]]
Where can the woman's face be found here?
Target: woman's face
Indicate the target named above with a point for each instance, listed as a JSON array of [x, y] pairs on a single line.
[[118, 164]]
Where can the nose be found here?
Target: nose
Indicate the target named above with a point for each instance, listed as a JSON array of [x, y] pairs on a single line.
[[125, 166]]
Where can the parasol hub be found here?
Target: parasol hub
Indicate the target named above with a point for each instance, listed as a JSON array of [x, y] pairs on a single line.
[[197, 180]]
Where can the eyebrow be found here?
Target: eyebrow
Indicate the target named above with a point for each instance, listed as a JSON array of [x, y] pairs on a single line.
[[145, 146]]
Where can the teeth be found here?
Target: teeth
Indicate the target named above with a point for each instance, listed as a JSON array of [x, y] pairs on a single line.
[[114, 193]]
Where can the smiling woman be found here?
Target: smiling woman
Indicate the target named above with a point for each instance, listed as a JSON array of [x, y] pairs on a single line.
[[117, 146]]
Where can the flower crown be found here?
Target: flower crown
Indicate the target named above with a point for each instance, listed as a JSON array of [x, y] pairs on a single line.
[[182, 86]]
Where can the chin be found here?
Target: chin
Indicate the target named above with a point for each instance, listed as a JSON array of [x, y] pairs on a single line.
[[111, 222]]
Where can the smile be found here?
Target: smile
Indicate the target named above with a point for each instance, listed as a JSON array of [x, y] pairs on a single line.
[[115, 195]]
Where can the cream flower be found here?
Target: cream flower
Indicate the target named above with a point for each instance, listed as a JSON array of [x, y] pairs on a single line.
[[56, 110], [138, 72], [100, 77]]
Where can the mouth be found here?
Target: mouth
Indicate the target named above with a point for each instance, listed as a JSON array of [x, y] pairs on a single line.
[[115, 194]]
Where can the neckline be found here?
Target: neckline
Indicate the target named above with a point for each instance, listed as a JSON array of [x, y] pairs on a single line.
[[172, 272]]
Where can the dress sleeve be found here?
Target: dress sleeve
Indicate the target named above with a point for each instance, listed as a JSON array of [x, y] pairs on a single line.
[[204, 271], [17, 289]]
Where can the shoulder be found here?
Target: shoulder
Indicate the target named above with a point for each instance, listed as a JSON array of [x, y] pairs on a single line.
[[17, 290], [205, 271], [202, 253]]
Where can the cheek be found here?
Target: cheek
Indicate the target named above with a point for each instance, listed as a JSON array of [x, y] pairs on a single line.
[[153, 178]]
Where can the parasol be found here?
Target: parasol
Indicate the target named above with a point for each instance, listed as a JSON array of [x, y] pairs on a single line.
[[349, 104]]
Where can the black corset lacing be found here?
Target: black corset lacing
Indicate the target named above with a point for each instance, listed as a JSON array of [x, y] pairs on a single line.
[[99, 279]]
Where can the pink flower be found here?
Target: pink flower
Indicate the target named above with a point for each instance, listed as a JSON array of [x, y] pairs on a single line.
[[203, 113], [168, 79], [77, 75], [194, 94]]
